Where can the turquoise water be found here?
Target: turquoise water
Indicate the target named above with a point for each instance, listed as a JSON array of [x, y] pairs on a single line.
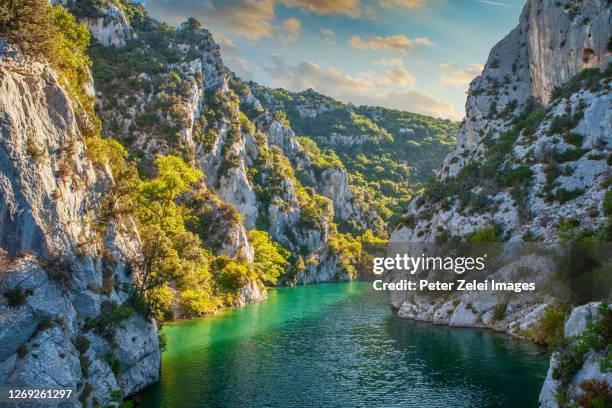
[[340, 345]]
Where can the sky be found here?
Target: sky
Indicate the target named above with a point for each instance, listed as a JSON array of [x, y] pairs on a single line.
[[413, 55]]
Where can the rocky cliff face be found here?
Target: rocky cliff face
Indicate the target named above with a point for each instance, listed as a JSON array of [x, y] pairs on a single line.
[[552, 148], [553, 42], [559, 389], [63, 274], [190, 104], [532, 162]]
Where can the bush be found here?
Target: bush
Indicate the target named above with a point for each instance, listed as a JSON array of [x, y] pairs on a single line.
[[82, 344], [564, 195], [111, 317], [18, 297], [271, 259], [575, 139], [113, 363], [500, 311], [549, 329], [489, 233], [595, 394], [607, 203], [194, 304], [568, 155], [163, 341], [29, 24]]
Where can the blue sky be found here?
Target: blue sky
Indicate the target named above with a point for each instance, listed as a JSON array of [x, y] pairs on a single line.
[[415, 55]]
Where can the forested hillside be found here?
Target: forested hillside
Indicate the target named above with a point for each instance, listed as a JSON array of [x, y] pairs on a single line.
[[388, 154]]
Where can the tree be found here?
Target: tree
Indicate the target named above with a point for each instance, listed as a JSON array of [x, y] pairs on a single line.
[[29, 24], [191, 24], [271, 258], [158, 196]]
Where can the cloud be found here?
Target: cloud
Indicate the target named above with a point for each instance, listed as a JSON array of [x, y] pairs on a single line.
[[391, 88], [409, 4], [328, 36], [232, 57], [399, 43], [495, 3], [389, 62], [347, 7], [461, 77], [447, 65], [289, 30], [252, 19], [423, 41]]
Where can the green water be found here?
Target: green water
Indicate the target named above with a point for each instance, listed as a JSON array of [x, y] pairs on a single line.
[[340, 345]]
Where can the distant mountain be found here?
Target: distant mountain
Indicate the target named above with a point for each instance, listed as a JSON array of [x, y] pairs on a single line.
[[388, 154]]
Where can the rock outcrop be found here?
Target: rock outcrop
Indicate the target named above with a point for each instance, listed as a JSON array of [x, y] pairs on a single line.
[[195, 107], [106, 21], [61, 277], [555, 164], [556, 392], [531, 164]]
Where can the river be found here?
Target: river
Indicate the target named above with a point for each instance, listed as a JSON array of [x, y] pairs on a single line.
[[340, 345]]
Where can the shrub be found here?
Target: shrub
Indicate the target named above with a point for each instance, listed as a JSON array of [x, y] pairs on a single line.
[[22, 351], [87, 390], [29, 24], [82, 344], [489, 233], [18, 297], [163, 341], [575, 139], [595, 394], [113, 363], [195, 304], [500, 311], [271, 259], [111, 317], [607, 203], [568, 155], [84, 362], [564, 195], [549, 329]]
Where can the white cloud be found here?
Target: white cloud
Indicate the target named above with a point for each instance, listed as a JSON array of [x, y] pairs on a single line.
[[289, 30], [391, 88], [399, 43], [252, 19], [346, 7], [389, 62], [494, 3], [409, 4], [461, 77], [327, 32], [447, 65], [423, 41]]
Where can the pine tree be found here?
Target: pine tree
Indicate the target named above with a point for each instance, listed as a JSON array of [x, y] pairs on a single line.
[[29, 24]]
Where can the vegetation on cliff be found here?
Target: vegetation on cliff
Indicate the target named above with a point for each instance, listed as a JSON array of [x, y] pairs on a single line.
[[389, 154]]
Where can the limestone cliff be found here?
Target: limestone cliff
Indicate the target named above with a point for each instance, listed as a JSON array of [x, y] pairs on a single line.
[[190, 104], [532, 163], [64, 272], [528, 158]]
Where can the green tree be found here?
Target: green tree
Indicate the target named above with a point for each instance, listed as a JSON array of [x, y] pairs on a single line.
[[158, 196], [191, 24], [271, 259], [29, 24]]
